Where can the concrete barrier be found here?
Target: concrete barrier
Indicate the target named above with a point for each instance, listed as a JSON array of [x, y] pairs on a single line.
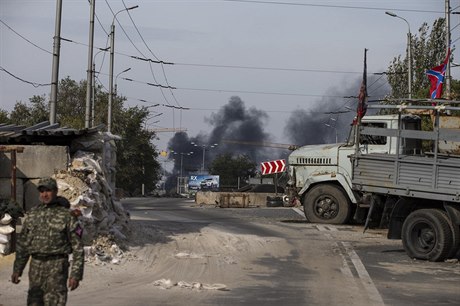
[[232, 199]]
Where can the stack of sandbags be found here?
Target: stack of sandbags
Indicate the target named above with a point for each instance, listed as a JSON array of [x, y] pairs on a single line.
[[5, 233], [10, 211]]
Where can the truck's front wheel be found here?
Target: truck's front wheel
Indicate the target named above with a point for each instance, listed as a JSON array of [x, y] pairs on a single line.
[[426, 234], [327, 204]]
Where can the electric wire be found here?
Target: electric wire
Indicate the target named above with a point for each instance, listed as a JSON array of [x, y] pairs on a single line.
[[334, 6], [11, 29], [148, 48], [22, 80], [140, 52]]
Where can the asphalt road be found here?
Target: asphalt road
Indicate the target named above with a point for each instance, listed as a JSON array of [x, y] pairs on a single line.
[[184, 254], [372, 269]]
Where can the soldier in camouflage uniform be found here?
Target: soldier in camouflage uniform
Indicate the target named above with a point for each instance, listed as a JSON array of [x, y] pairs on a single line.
[[49, 234]]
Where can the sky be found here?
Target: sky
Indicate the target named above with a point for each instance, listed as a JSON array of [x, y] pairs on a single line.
[[278, 64]]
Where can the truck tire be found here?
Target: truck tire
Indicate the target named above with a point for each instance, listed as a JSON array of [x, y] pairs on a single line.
[[427, 235], [327, 204], [455, 236]]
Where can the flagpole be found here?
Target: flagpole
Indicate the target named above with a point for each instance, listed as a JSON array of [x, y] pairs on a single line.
[[361, 103]]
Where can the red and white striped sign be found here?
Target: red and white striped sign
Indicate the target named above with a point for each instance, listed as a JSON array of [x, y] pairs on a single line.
[[275, 166]]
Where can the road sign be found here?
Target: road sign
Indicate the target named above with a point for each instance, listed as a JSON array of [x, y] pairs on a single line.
[[275, 166]]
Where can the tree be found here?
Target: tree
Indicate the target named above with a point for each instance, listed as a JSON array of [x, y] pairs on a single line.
[[4, 117], [136, 163], [428, 51], [136, 156], [230, 168]]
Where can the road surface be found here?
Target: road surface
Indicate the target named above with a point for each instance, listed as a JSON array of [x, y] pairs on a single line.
[[183, 254]]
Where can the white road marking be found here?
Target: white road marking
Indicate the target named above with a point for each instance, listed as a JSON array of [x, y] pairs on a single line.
[[364, 277], [299, 211], [366, 280]]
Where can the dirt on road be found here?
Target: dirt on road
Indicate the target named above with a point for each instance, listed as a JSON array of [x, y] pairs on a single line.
[[203, 263]]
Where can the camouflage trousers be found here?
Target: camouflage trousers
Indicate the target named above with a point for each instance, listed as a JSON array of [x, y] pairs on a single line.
[[48, 282]]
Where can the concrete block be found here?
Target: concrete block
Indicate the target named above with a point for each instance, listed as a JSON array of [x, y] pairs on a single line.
[[36, 161], [232, 199]]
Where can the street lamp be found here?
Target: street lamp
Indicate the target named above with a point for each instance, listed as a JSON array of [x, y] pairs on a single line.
[[179, 189], [336, 134], [112, 45], [204, 151], [93, 84], [126, 70], [409, 52]]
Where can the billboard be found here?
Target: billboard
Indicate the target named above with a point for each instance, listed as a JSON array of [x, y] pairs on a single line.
[[203, 182]]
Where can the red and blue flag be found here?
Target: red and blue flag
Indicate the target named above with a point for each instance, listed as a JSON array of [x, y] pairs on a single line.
[[436, 77]]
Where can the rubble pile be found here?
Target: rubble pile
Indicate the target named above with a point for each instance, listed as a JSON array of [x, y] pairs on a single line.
[[88, 192]]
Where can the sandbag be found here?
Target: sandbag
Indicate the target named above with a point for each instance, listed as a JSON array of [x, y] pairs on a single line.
[[4, 238], [6, 229], [6, 219], [4, 248]]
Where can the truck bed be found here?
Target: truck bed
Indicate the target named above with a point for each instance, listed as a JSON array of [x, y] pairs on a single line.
[[425, 177]]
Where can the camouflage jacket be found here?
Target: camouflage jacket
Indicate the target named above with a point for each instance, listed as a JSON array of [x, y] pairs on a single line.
[[50, 230]]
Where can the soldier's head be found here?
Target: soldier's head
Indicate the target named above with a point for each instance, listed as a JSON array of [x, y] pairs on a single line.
[[47, 187]]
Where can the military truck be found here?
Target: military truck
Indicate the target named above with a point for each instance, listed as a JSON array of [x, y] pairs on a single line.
[[383, 172]]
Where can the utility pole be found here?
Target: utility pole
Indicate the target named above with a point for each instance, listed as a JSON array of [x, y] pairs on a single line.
[[109, 108], [447, 76], [55, 67], [409, 52], [89, 71], [112, 54]]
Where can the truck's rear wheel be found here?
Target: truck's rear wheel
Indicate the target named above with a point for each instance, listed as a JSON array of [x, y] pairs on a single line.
[[426, 234], [327, 204], [455, 236]]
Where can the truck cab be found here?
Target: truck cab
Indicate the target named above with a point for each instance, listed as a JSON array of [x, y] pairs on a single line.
[[320, 176]]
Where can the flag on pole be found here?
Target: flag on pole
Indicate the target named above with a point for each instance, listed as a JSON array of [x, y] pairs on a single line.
[[436, 77], [362, 97]]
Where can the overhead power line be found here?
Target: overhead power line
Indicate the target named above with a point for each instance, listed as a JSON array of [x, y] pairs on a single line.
[[271, 68], [335, 6], [258, 92], [11, 29], [145, 59], [151, 52], [22, 80]]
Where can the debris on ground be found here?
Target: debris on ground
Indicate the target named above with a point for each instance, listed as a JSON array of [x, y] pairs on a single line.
[[168, 284]]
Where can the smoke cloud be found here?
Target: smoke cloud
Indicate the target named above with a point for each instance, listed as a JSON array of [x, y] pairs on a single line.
[[330, 117], [234, 121]]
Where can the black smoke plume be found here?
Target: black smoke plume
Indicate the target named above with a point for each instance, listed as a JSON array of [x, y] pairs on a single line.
[[232, 122], [330, 117]]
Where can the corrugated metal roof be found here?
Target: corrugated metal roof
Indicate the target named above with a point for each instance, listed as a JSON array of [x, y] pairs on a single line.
[[43, 132]]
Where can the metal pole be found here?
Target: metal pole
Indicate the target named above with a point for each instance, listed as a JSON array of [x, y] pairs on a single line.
[[204, 149], [180, 178], [447, 47], [112, 45], [89, 71], [143, 177], [409, 53], [93, 93], [109, 108], [55, 67], [409, 61]]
